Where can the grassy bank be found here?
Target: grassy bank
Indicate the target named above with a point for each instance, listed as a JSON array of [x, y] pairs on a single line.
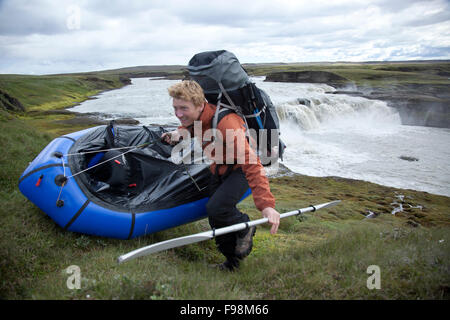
[[40, 100], [324, 255], [380, 74], [39, 93]]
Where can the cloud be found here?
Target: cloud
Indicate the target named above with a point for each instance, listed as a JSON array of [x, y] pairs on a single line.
[[23, 17], [46, 36]]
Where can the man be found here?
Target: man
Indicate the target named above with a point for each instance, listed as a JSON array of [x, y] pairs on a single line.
[[230, 181]]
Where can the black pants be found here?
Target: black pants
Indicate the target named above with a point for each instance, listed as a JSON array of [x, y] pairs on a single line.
[[225, 193]]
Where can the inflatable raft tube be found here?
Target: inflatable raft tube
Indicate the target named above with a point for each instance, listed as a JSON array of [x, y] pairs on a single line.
[[146, 194]]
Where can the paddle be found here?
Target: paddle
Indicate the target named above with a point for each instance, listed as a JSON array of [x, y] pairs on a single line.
[[182, 241]]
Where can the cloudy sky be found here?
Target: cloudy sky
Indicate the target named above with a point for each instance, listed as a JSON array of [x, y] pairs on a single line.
[[54, 36]]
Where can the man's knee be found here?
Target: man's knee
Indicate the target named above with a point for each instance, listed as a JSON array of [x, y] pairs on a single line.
[[216, 210]]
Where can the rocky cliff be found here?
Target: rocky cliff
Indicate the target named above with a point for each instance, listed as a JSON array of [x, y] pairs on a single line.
[[418, 104], [309, 77]]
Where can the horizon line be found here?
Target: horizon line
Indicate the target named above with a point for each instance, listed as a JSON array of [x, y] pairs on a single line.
[[244, 63]]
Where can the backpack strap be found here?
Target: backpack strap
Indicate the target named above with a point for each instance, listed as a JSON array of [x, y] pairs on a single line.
[[232, 105], [216, 116], [256, 114], [220, 114]]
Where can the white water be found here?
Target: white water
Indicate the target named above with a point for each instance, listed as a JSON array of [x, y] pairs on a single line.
[[336, 135]]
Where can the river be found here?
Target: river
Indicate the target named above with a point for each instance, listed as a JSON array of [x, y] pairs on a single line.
[[326, 134]]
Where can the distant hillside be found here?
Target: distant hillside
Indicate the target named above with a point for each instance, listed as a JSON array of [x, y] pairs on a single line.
[[263, 69], [166, 71]]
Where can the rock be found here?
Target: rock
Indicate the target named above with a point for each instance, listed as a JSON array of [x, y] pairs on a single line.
[[35, 113], [10, 103], [371, 215], [130, 121], [304, 101], [124, 80], [279, 170], [424, 111], [309, 77], [407, 158], [350, 93], [81, 120], [89, 119], [417, 104]]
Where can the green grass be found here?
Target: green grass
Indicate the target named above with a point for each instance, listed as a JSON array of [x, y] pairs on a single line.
[[55, 91], [323, 255], [44, 97], [373, 75]]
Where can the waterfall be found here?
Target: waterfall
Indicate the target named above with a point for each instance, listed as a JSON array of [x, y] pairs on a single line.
[[314, 106], [315, 111]]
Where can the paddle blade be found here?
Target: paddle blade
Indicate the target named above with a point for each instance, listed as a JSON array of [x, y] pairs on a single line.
[[327, 205], [165, 245]]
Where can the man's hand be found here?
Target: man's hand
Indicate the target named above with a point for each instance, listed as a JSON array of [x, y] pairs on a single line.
[[274, 218], [172, 137]]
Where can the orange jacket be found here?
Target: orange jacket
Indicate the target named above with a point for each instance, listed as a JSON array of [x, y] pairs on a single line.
[[244, 158]]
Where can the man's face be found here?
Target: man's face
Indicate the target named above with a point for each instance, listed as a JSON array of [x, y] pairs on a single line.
[[186, 111]]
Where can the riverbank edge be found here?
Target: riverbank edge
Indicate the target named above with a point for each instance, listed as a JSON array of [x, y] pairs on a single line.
[[54, 117]]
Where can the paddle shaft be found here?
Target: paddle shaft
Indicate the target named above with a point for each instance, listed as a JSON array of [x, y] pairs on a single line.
[[182, 241], [244, 225]]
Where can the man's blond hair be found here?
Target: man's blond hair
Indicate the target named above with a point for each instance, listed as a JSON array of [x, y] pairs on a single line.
[[188, 90]]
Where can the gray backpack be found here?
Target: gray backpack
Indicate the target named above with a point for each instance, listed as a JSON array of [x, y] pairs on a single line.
[[227, 85]]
